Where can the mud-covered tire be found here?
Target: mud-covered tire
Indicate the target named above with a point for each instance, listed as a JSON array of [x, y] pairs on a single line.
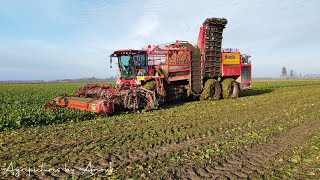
[[230, 89], [211, 90], [150, 85]]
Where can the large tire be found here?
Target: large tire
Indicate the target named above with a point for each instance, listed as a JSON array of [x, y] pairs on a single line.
[[230, 89], [150, 85], [211, 90]]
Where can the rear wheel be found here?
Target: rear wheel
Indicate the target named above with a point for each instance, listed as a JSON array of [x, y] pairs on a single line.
[[230, 89], [211, 90]]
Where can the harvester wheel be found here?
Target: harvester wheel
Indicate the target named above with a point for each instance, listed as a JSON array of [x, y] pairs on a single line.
[[150, 85], [211, 90], [230, 89]]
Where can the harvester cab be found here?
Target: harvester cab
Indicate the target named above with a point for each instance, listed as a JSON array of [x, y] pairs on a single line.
[[132, 64]]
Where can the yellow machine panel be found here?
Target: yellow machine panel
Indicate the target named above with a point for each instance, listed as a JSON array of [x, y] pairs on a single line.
[[141, 78], [231, 58]]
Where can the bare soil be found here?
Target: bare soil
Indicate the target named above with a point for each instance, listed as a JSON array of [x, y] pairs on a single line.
[[253, 162]]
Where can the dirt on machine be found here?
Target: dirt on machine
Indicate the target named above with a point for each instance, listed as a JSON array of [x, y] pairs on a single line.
[[152, 76]]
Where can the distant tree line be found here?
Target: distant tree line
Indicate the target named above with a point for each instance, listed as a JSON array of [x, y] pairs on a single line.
[[291, 74], [112, 78]]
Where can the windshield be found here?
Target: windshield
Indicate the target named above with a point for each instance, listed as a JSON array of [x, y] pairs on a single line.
[[126, 66], [132, 65]]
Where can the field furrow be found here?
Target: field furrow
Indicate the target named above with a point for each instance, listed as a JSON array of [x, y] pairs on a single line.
[[208, 139]]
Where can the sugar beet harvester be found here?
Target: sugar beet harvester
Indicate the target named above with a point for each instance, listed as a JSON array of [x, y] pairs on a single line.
[[152, 76]]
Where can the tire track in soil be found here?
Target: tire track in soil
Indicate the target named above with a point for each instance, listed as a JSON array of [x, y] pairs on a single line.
[[234, 161], [139, 155], [252, 162], [136, 156], [143, 155]]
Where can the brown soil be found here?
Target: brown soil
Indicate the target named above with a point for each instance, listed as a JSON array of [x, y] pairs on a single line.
[[252, 162], [80, 143], [248, 162]]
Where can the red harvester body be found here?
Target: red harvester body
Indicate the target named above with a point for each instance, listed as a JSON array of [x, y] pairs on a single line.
[[154, 75]]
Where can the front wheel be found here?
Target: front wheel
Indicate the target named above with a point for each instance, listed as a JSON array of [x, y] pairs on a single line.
[[230, 89]]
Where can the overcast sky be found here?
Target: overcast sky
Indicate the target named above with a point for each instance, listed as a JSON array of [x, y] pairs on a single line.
[[57, 39]]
